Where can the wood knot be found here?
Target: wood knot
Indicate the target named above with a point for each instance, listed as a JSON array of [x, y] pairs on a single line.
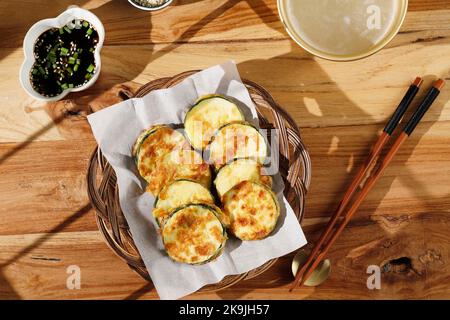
[[392, 223], [402, 265], [387, 244], [431, 256]]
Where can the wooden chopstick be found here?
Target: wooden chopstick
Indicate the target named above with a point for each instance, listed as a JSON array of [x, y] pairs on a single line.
[[376, 150], [408, 129]]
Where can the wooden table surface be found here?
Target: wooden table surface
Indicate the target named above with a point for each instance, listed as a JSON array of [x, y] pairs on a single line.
[[47, 223]]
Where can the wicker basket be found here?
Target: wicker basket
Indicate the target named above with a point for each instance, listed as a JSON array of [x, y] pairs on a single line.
[[295, 169]]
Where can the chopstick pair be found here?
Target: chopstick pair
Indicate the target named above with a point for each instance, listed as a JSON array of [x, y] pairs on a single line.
[[328, 238]]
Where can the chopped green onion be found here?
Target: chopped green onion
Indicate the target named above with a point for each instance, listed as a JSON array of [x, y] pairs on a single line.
[[64, 51], [59, 58], [51, 57]]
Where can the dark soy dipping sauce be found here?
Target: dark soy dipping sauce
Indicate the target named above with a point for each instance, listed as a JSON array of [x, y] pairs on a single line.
[[64, 58]]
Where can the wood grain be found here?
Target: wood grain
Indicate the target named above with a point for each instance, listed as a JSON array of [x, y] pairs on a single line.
[[48, 224], [319, 101]]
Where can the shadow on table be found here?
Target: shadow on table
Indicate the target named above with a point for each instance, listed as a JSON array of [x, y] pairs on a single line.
[[407, 178], [295, 68], [302, 71], [146, 288], [78, 104], [402, 247], [6, 290], [111, 88]]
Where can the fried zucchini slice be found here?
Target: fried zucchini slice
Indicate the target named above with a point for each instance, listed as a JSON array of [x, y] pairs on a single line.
[[207, 115], [177, 194], [189, 164], [141, 138], [193, 234], [237, 171], [183, 164], [237, 140], [253, 210], [152, 146], [163, 154]]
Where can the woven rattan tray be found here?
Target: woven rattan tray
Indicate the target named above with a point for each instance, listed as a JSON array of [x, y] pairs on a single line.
[[295, 169]]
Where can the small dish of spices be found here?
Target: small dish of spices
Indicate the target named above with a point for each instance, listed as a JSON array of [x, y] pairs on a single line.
[[150, 5]]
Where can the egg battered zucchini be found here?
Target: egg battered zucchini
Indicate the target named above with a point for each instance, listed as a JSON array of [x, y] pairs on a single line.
[[141, 138], [185, 164], [207, 115], [237, 171], [193, 234], [177, 194], [152, 146], [163, 155], [189, 164], [237, 140], [253, 210]]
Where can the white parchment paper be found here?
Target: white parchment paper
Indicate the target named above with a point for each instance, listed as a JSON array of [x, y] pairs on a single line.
[[116, 129]]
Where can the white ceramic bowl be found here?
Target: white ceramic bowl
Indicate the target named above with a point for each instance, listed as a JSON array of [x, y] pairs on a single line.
[[40, 27], [150, 8]]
